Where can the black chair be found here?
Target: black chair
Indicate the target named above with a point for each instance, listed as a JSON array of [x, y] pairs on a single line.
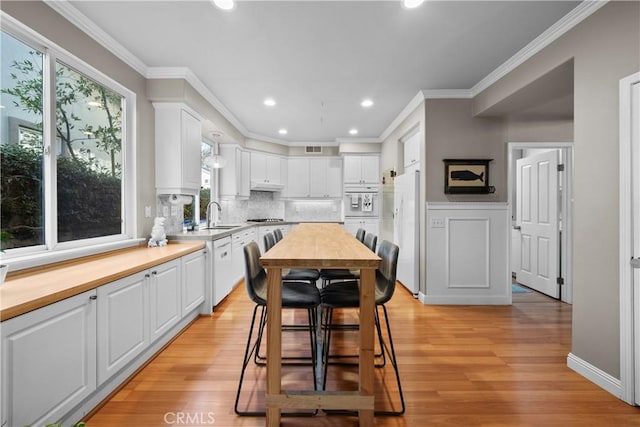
[[299, 295], [295, 274], [330, 275], [360, 233], [347, 295], [277, 233]]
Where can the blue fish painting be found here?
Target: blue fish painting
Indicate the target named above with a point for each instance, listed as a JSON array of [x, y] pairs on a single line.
[[466, 175]]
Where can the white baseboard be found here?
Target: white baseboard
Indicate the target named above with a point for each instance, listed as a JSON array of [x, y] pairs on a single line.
[[595, 375], [464, 299]]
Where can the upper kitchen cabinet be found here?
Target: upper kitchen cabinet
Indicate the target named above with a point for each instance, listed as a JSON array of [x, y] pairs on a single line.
[[325, 177], [298, 177], [361, 169], [266, 172], [178, 139], [411, 147], [235, 177]]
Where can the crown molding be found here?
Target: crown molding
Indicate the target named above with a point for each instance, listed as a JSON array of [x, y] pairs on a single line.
[[359, 140], [77, 18], [313, 144], [447, 94], [415, 102], [554, 32], [188, 75]]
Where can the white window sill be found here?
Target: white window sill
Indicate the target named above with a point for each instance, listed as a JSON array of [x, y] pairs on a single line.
[[37, 260]]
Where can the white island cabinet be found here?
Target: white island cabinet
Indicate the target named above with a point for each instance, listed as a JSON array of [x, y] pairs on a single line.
[[48, 361], [178, 140]]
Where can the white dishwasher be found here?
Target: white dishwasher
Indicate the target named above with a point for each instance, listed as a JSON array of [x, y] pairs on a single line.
[[222, 278]]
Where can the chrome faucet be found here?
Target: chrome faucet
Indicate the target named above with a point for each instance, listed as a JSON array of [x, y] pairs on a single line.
[[213, 202]]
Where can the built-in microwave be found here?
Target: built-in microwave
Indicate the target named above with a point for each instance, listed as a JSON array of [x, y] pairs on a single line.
[[361, 201]]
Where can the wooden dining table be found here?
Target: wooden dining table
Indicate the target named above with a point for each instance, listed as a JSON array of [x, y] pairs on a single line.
[[320, 245]]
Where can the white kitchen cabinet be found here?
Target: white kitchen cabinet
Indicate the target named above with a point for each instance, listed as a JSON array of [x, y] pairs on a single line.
[[239, 241], [361, 169], [235, 177], [412, 150], [325, 177], [193, 281], [298, 180], [222, 277], [266, 169], [369, 225], [48, 361], [165, 293], [264, 229], [123, 323], [178, 136]]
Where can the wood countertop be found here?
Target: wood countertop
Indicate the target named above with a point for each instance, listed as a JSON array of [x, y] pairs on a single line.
[[37, 287]]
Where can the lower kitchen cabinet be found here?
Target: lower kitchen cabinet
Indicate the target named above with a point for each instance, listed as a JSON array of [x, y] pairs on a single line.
[[123, 323], [369, 225], [48, 361], [193, 281], [164, 298], [239, 241], [57, 359]]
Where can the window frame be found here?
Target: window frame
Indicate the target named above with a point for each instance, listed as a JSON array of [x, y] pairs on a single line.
[[52, 250]]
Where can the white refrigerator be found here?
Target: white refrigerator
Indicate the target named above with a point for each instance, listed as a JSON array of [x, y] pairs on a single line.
[[406, 227]]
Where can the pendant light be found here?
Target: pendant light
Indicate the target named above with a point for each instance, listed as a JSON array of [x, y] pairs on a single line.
[[216, 161]]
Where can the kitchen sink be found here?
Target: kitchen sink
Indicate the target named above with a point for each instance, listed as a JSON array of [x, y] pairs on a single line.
[[222, 227]]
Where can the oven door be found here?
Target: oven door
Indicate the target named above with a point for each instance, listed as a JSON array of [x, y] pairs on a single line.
[[361, 204]]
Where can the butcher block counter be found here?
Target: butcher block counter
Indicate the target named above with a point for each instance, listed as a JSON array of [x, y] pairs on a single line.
[[34, 288]]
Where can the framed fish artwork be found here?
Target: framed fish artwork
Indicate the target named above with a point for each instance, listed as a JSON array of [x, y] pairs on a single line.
[[467, 176]]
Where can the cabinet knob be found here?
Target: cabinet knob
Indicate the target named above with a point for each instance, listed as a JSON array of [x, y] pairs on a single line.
[[93, 297], [147, 275]]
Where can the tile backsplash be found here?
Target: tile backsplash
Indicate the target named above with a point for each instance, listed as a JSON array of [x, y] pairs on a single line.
[[261, 204]]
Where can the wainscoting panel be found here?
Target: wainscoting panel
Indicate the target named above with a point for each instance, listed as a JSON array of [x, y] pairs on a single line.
[[467, 252], [466, 256]]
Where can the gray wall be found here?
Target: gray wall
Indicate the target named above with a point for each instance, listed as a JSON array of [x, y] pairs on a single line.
[[48, 23], [605, 48]]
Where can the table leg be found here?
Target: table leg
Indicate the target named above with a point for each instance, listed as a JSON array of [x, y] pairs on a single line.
[[274, 341], [367, 326]]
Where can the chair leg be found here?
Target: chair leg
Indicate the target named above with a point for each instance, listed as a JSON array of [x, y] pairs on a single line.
[[392, 358], [249, 350]]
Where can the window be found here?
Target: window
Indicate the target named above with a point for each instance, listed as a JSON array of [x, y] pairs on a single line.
[[65, 146], [200, 202]]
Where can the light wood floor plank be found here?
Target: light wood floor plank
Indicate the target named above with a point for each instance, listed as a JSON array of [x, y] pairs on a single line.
[[487, 366]]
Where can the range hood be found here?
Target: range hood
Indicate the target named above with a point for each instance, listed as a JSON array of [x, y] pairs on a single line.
[[266, 186]]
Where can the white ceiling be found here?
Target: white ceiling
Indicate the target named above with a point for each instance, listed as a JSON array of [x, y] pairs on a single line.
[[320, 59]]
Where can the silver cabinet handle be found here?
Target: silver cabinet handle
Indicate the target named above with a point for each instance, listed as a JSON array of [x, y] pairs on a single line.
[[517, 227]]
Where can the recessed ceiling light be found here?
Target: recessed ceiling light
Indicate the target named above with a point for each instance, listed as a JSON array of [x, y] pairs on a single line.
[[283, 132], [366, 103], [353, 131], [269, 102], [224, 4], [411, 4]]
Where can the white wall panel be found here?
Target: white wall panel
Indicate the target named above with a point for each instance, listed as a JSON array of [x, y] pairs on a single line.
[[467, 254]]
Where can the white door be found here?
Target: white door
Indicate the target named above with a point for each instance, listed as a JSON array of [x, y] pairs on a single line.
[[635, 172], [537, 215]]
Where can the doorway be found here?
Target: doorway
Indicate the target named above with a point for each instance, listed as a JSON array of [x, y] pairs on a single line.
[[630, 238], [540, 255]]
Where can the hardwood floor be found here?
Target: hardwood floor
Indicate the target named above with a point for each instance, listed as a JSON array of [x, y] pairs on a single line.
[[460, 366]]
